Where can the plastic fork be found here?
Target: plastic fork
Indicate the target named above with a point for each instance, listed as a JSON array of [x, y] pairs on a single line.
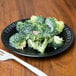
[[6, 56]]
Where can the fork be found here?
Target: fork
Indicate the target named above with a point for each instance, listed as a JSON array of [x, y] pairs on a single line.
[[6, 56]]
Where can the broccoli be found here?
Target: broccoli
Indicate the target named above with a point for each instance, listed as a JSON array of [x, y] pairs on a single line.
[[38, 32], [36, 36], [18, 41], [33, 19], [37, 45], [47, 32], [55, 25], [38, 22], [60, 26], [25, 28], [19, 26], [43, 46], [33, 44], [50, 22], [37, 19], [57, 42]]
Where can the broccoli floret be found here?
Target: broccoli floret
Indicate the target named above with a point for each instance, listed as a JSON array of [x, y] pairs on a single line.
[[57, 42], [55, 25], [51, 26], [18, 41], [33, 44], [37, 19], [47, 32], [37, 45], [38, 22], [33, 19], [25, 28], [36, 36], [40, 19], [60, 26], [51, 23], [20, 25]]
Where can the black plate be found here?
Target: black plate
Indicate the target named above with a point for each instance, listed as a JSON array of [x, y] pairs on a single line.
[[67, 35]]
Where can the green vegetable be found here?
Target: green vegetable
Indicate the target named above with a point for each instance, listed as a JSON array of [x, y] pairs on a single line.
[[43, 46], [18, 41], [25, 28], [57, 42], [55, 25], [38, 32], [35, 37], [37, 19], [38, 45], [50, 22], [19, 26], [60, 26]]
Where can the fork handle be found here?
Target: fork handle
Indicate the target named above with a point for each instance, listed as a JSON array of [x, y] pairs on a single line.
[[30, 67]]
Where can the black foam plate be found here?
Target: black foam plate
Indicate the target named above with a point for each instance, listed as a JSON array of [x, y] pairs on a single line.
[[67, 35]]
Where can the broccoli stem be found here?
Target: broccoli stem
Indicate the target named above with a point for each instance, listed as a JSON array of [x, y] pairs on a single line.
[[38, 45], [43, 46]]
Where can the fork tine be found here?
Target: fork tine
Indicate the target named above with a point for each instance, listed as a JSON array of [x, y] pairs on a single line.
[[2, 51], [1, 54]]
